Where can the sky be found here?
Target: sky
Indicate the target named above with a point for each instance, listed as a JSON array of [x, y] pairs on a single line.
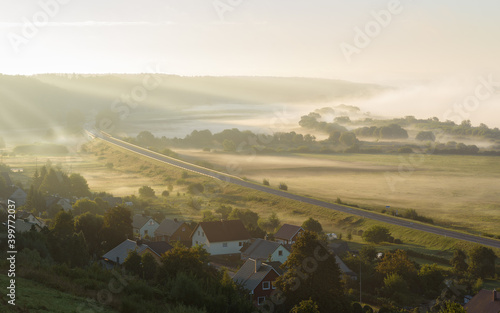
[[395, 42]]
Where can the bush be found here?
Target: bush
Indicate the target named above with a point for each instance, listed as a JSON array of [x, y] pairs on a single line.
[[377, 234], [195, 188], [165, 193], [283, 186], [265, 182], [147, 192], [109, 165]]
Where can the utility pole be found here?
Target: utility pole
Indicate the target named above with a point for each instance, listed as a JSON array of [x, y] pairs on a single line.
[[360, 279]]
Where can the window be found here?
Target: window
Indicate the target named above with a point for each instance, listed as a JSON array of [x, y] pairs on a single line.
[[260, 300], [183, 228], [280, 253], [224, 244], [240, 243], [266, 285]]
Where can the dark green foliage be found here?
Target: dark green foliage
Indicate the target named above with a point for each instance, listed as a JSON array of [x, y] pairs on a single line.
[[312, 225], [431, 279], [249, 218], [306, 306], [283, 186], [149, 266], [146, 192], [482, 262], [376, 234], [79, 186], [265, 182], [229, 145], [312, 274], [132, 263], [83, 206], [195, 188], [397, 262], [458, 262], [348, 139], [224, 211], [271, 223], [425, 136], [117, 226], [91, 226]]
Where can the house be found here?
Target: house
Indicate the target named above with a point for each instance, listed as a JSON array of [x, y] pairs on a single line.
[[485, 301], [19, 196], [113, 201], [30, 218], [221, 237], [173, 230], [118, 254], [23, 226], [144, 226], [266, 250], [288, 234], [64, 203], [258, 278]]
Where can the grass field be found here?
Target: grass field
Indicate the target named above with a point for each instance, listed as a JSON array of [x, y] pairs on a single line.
[[34, 297], [130, 172], [458, 191]]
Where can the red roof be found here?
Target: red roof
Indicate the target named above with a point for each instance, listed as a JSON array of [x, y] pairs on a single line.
[[219, 231], [287, 231], [483, 303]]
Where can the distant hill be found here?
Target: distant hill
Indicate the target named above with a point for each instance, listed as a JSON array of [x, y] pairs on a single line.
[[59, 100]]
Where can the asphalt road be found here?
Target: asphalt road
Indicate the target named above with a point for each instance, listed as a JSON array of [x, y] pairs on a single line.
[[366, 214]]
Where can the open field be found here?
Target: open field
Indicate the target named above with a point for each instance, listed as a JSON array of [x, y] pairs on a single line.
[[458, 191]]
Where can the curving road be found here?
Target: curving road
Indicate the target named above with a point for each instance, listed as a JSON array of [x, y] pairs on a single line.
[[236, 180]]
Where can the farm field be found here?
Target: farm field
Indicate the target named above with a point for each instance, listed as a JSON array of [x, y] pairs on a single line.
[[458, 191]]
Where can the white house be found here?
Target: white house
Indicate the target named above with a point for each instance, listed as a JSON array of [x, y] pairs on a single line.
[[221, 237], [266, 250], [144, 226]]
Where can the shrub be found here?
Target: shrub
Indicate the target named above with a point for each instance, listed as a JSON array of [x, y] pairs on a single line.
[[283, 186], [265, 182], [109, 165], [377, 234], [165, 193]]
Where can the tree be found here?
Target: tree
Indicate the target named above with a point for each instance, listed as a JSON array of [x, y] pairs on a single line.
[[132, 262], [229, 145], [149, 266], [249, 218], [165, 193], [146, 192], [79, 186], [117, 226], [146, 138], [395, 287], [91, 226], [224, 211], [305, 306], [482, 261], [312, 273], [195, 188], [348, 139], [312, 225], [425, 136], [376, 234], [63, 224], [430, 278], [271, 223], [397, 262], [452, 307], [86, 206], [193, 261], [458, 262]]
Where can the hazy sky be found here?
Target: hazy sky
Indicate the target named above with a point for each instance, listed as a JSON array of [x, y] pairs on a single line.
[[424, 39]]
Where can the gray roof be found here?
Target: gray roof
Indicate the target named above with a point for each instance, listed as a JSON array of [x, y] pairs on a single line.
[[343, 268], [249, 278], [261, 249], [23, 226], [140, 220], [122, 250], [168, 227]]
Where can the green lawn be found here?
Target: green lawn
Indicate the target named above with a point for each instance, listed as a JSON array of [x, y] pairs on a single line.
[[34, 297]]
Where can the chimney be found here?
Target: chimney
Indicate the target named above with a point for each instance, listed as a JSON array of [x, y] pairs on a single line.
[[495, 295], [257, 265]]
